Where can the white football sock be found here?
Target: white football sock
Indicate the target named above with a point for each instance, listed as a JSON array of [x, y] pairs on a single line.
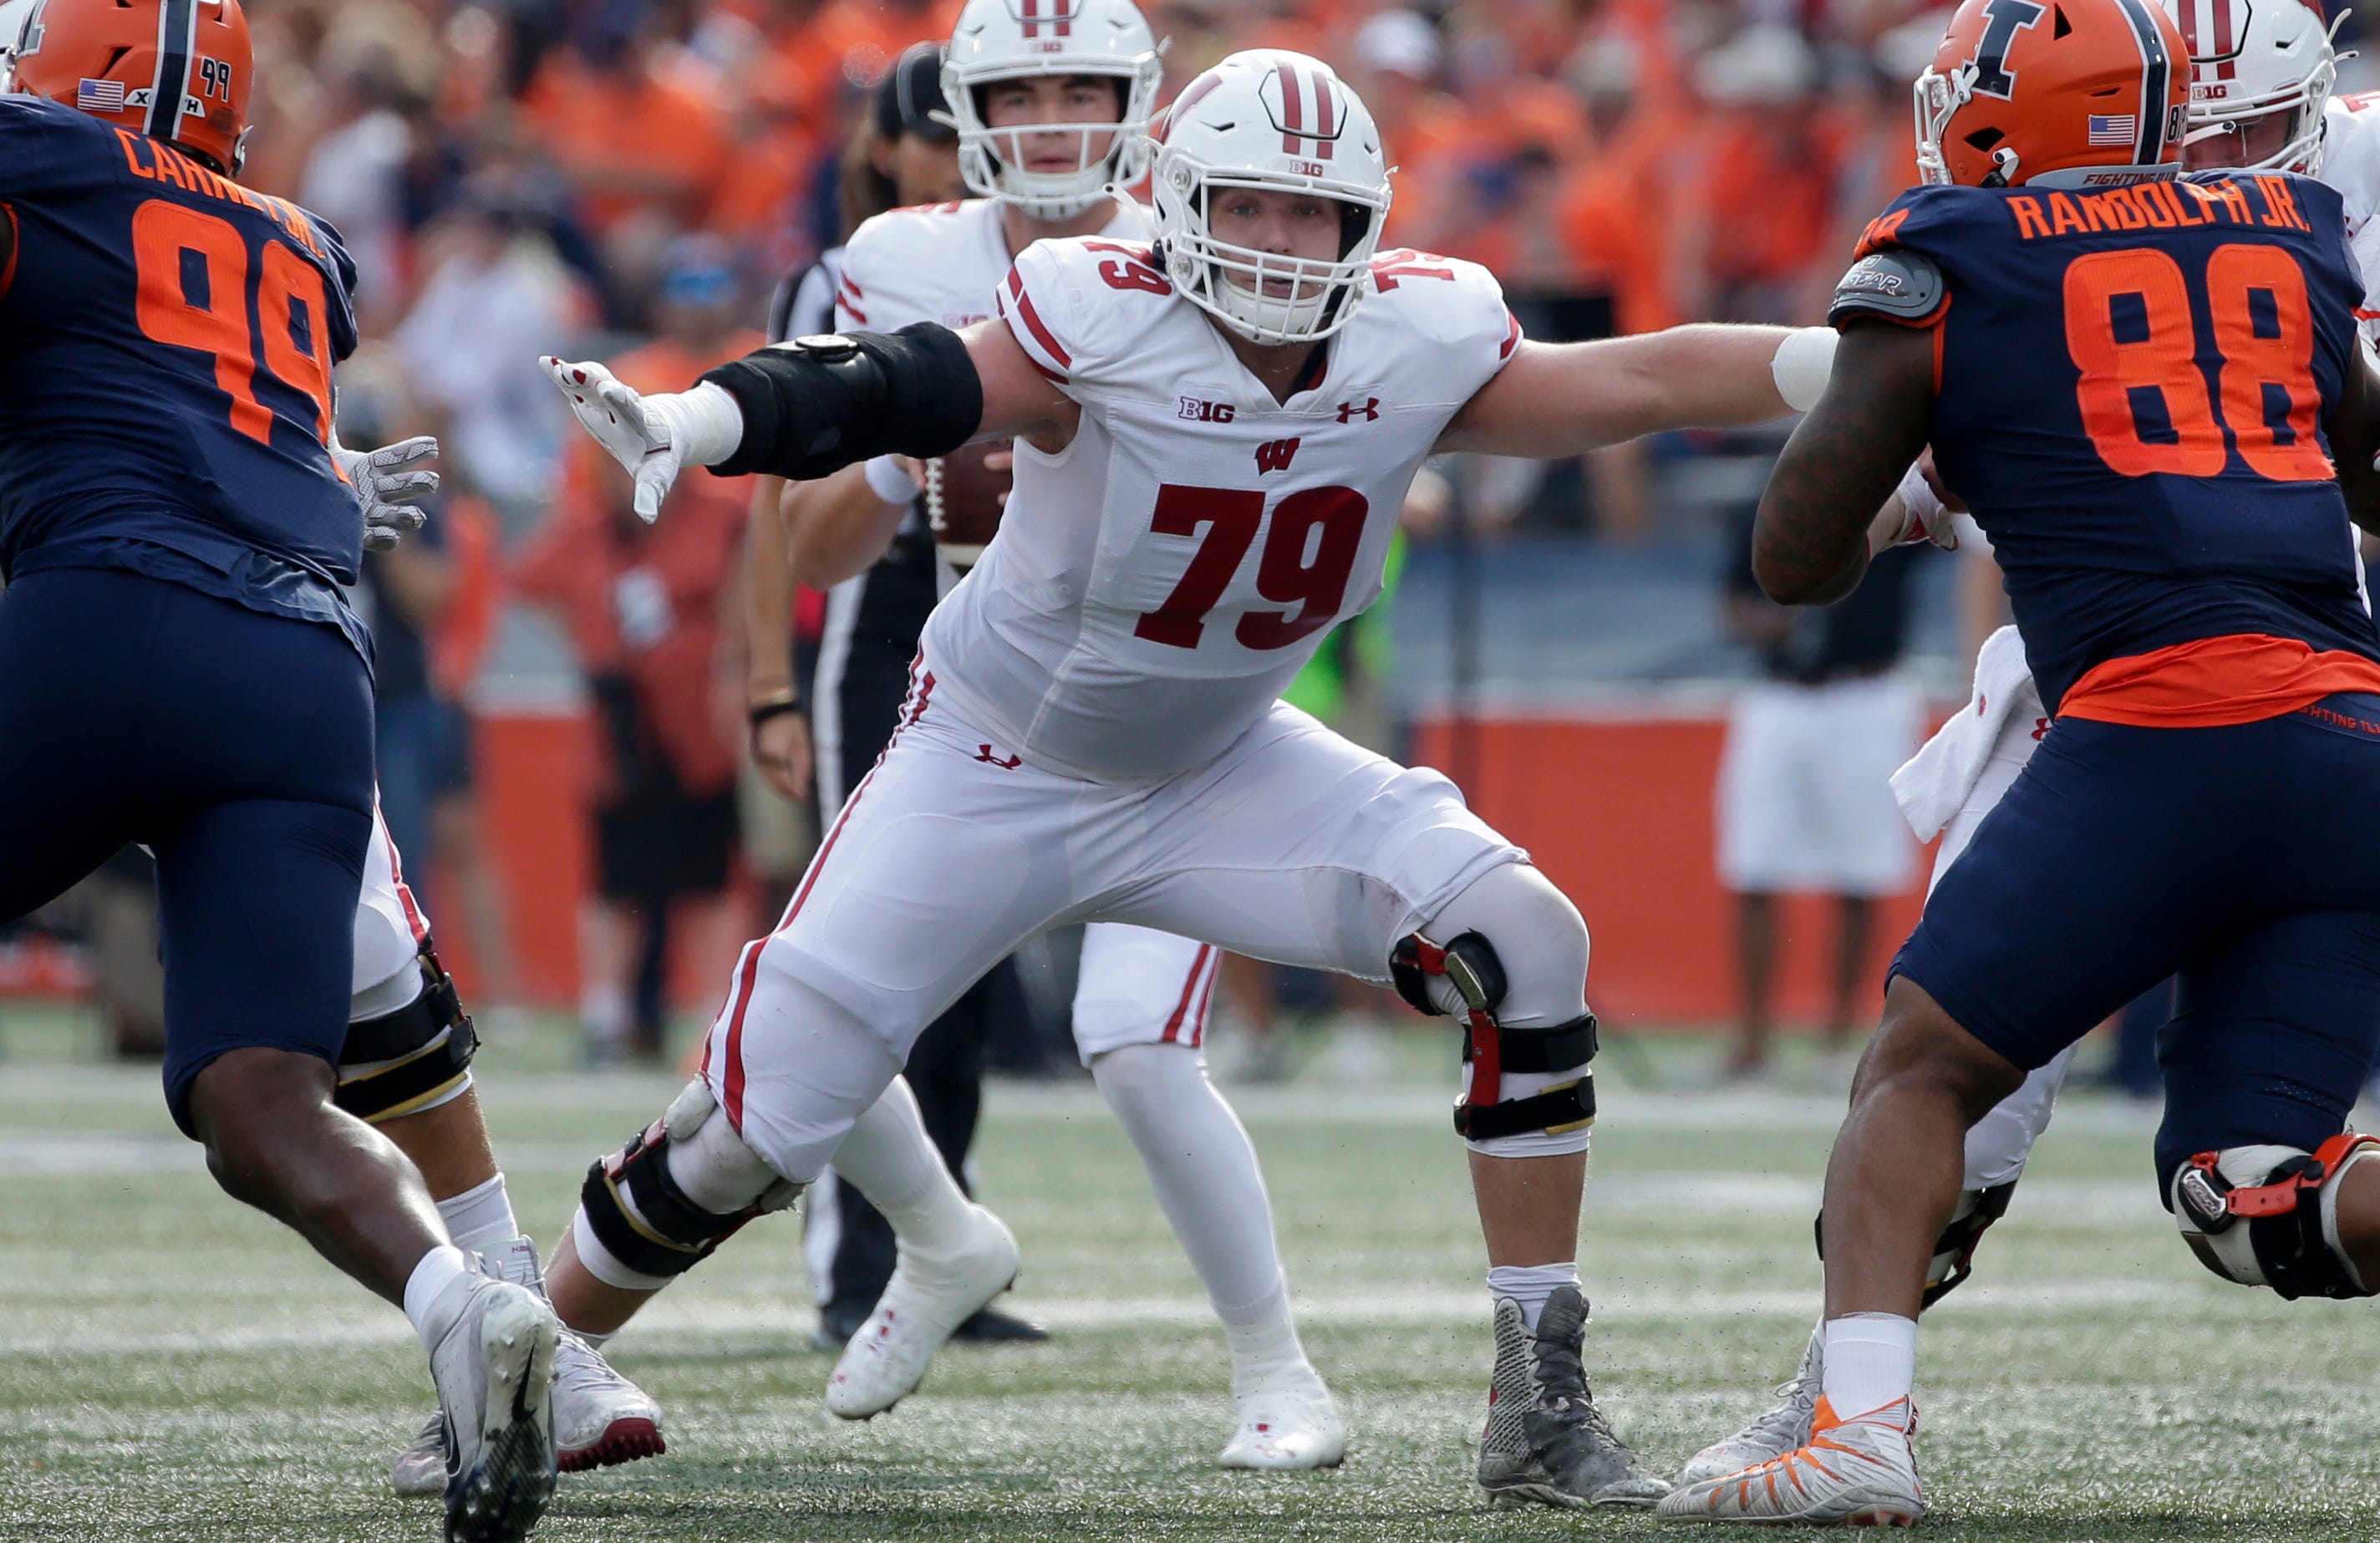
[[1204, 1169], [889, 1158], [1530, 1284], [1871, 1362], [439, 1268], [480, 1219], [1264, 1343]]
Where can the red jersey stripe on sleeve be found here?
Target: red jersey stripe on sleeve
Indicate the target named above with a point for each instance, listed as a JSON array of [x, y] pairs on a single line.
[[1512, 337], [9, 258], [1032, 334]]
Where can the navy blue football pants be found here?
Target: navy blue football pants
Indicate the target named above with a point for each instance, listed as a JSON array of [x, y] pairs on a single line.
[[238, 747], [2243, 861]]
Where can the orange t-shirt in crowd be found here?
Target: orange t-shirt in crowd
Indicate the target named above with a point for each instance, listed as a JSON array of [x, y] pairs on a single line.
[[650, 136], [592, 544], [2242, 678]]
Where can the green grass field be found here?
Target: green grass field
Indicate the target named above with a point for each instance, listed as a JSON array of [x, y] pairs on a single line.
[[173, 1366]]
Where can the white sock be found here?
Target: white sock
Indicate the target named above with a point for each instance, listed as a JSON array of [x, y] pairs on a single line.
[[603, 1010], [1264, 1343], [1204, 1169], [439, 1268], [1871, 1363], [1530, 1284], [889, 1158], [481, 1218]]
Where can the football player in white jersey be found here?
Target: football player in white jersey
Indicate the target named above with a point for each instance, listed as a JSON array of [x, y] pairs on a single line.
[[1052, 114], [2261, 73], [1215, 432]]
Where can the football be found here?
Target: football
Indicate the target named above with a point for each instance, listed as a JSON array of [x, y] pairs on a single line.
[[965, 493]]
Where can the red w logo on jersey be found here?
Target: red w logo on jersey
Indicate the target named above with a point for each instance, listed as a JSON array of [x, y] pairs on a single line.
[[1275, 454]]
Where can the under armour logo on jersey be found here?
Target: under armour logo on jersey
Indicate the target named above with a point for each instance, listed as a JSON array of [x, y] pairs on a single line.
[[1369, 407], [1197, 411], [1308, 114], [1275, 454], [983, 753], [2003, 20]]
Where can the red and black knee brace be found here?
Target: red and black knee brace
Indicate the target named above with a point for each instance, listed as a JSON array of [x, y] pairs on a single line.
[[1469, 965]]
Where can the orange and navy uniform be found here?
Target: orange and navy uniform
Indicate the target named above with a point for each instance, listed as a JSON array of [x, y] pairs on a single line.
[[166, 343], [2132, 385], [2132, 388], [177, 664]]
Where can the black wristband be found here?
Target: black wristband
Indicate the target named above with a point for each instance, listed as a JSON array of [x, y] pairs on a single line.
[[766, 710]]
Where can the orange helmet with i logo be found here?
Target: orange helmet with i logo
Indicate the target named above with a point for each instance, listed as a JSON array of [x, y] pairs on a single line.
[[2059, 93]]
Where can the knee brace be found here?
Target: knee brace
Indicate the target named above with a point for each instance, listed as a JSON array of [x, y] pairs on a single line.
[[408, 1060], [2268, 1216], [1469, 966], [678, 1190], [1954, 1251]]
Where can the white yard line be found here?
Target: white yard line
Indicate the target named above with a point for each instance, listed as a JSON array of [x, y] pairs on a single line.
[[792, 1321]]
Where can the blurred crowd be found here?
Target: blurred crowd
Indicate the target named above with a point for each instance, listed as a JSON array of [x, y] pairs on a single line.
[[517, 177]]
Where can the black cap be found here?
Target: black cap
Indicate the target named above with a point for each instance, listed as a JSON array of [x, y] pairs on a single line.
[[910, 93]]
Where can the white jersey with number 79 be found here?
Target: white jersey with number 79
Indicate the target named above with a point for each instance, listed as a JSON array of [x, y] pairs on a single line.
[[1157, 584]]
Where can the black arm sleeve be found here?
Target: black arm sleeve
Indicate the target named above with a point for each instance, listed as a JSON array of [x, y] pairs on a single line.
[[814, 406]]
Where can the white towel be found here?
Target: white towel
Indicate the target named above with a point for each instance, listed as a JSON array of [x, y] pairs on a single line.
[[1932, 786]]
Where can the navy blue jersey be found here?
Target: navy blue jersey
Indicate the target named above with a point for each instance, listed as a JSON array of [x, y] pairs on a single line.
[[166, 341], [2132, 390]]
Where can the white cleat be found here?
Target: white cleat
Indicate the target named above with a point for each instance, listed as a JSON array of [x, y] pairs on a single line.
[[419, 1473], [600, 1418], [1776, 1432], [493, 1365], [925, 1301], [1287, 1422], [1859, 1473]]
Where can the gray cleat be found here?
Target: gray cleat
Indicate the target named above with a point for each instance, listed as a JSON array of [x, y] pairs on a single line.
[[493, 1365], [1546, 1441], [1777, 1431]]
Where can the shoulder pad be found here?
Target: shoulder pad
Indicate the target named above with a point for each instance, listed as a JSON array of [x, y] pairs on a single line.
[[1895, 284]]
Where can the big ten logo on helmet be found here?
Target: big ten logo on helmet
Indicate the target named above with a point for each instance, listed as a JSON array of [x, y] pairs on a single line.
[[1197, 412]]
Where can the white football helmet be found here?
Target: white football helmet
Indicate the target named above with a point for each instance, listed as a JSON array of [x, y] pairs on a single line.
[[1268, 118], [1003, 40], [2249, 58]]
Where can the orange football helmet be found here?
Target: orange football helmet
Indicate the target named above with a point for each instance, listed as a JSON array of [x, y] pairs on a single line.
[[2059, 93], [173, 69]]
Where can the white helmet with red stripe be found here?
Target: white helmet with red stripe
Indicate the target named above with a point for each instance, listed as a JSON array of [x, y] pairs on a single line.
[[1007, 40], [2251, 58], [1268, 118]]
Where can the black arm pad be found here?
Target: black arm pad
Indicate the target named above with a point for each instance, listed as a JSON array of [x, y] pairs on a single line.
[[815, 405]]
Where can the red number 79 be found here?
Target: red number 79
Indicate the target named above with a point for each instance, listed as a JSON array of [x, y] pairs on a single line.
[[1327, 520]]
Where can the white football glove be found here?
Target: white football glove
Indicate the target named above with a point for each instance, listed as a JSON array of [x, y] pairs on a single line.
[[1923, 516], [653, 437], [388, 483]]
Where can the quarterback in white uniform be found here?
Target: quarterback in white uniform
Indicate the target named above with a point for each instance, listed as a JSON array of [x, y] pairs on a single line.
[[1216, 430], [1141, 1001], [2261, 73]]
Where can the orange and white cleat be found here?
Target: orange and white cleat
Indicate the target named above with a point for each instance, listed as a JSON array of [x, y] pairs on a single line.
[[1856, 1473]]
